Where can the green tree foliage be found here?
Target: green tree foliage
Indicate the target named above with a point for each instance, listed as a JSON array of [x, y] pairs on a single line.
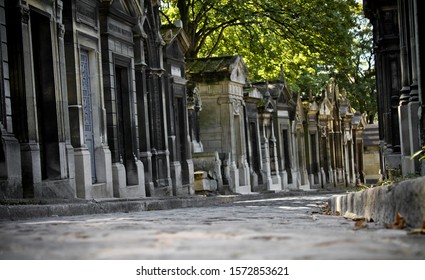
[[313, 39], [358, 77]]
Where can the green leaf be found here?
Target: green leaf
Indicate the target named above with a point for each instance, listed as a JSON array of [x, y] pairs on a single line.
[[313, 39], [417, 154]]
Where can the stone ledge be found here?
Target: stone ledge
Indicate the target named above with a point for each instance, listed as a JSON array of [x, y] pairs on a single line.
[[381, 204]]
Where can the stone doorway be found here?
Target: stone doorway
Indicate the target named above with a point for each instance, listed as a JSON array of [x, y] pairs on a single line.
[[124, 140], [45, 97], [286, 155]]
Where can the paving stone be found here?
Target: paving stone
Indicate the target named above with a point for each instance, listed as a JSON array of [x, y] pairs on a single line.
[[286, 227]]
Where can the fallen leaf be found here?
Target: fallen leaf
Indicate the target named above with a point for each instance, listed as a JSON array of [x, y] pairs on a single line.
[[360, 223], [400, 223], [325, 210], [418, 230]]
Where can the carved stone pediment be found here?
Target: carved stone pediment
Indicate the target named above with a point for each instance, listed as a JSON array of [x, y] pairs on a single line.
[[325, 107], [238, 71], [126, 10]]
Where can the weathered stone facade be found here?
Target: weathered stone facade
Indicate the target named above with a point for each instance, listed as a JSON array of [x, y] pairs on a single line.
[[179, 140], [220, 82], [36, 96], [10, 161], [399, 46], [286, 142], [95, 103], [92, 104], [86, 99]]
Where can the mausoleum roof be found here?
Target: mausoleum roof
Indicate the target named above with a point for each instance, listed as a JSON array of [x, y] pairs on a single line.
[[220, 68]]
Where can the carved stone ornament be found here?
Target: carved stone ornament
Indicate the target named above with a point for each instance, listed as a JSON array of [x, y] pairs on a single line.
[[60, 30], [194, 101], [324, 131], [237, 106], [25, 15], [347, 137]]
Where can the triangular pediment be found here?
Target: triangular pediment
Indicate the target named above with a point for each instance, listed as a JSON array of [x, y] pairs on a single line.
[[122, 6], [238, 71], [325, 107], [313, 106]]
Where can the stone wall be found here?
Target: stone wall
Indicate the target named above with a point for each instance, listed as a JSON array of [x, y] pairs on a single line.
[[382, 204]]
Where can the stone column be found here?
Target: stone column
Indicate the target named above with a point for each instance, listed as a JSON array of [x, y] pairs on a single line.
[[240, 147], [304, 181], [274, 158], [420, 58], [265, 151], [67, 163], [10, 160], [332, 151], [23, 97], [144, 144], [407, 165], [413, 106]]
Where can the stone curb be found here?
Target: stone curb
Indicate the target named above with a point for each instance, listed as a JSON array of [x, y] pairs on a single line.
[[381, 204], [88, 207]]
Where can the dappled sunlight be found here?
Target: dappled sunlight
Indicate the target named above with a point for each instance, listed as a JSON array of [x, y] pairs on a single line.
[[49, 222], [293, 198], [293, 207]]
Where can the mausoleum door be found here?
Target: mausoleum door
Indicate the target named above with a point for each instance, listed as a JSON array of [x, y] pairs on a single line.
[[45, 96], [255, 162], [180, 129], [123, 116], [286, 155], [87, 110]]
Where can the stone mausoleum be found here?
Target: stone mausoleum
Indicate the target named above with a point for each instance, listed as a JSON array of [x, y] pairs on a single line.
[[268, 138], [398, 29], [97, 100], [93, 101]]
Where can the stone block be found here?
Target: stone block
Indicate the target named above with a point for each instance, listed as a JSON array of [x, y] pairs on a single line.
[[104, 168], [199, 176], [83, 172], [118, 178], [243, 189], [203, 182], [63, 189], [382, 204]]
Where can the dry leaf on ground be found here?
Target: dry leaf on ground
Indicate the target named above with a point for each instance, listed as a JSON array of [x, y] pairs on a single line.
[[419, 230], [400, 223], [325, 210], [360, 223]]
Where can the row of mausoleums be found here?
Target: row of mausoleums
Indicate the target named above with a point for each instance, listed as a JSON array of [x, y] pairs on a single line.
[[261, 136], [399, 44], [95, 103]]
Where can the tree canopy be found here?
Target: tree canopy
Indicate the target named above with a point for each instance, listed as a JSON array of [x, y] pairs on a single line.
[[313, 39]]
